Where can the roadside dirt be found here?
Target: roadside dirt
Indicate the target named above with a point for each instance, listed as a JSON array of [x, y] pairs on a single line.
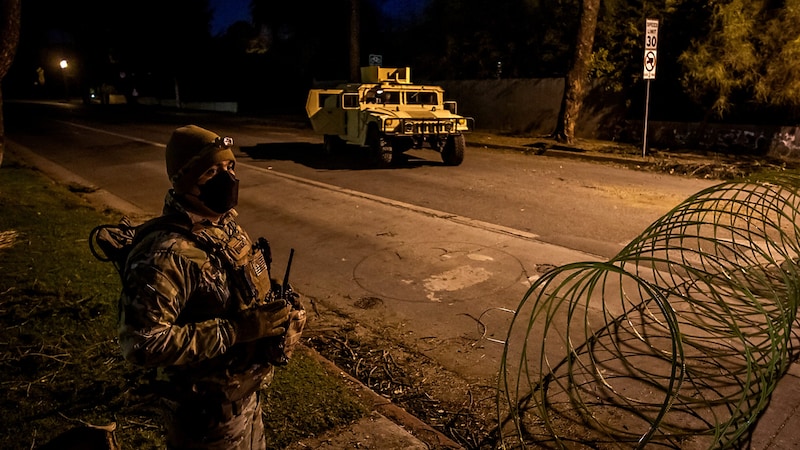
[[683, 162], [463, 412]]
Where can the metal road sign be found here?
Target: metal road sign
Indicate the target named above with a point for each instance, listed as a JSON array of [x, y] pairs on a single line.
[[650, 44], [649, 64], [650, 59]]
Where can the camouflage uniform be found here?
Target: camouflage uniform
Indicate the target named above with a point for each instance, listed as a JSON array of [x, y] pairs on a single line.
[[176, 296]]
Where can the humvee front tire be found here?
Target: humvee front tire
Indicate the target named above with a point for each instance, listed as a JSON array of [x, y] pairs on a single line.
[[453, 151], [379, 148]]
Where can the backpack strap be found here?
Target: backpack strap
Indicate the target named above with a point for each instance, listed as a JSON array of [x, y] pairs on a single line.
[[113, 243], [178, 223]]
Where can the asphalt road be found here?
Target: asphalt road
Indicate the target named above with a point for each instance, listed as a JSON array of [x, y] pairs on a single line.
[[571, 203]]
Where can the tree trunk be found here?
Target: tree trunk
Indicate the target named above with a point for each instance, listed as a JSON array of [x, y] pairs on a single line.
[[9, 38], [355, 39], [177, 92], [577, 78]]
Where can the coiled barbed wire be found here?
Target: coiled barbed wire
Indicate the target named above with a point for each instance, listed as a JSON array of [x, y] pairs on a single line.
[[677, 342]]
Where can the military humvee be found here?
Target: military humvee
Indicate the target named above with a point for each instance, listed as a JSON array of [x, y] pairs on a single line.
[[388, 115]]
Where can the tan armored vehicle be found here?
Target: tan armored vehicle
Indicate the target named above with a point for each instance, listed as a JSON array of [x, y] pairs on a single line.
[[388, 115]]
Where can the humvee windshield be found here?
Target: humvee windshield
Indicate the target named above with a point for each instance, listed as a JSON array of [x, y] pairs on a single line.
[[391, 97], [421, 98]]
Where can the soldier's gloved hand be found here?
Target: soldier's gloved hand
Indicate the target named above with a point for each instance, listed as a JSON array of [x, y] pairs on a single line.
[[261, 321]]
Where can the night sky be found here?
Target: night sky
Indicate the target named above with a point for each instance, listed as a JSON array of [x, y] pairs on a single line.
[[227, 12]]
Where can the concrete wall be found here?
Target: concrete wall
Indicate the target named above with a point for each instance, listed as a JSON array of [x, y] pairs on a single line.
[[531, 106], [786, 143], [528, 106], [773, 141]]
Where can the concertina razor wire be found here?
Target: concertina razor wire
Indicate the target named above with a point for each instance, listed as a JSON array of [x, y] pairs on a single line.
[[676, 342]]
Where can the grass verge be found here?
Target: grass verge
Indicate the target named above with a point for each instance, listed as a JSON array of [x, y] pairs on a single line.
[[60, 364]]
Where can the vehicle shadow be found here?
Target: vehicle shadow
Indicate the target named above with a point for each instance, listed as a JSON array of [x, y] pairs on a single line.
[[313, 156]]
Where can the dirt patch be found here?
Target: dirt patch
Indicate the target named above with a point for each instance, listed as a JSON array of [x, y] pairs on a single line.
[[639, 197], [8, 238]]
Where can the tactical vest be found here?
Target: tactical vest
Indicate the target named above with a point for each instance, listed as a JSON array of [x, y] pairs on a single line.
[[247, 265], [246, 367]]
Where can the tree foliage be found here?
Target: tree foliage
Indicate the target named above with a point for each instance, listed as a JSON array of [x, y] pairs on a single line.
[[302, 41], [618, 41], [749, 56], [467, 40], [780, 83]]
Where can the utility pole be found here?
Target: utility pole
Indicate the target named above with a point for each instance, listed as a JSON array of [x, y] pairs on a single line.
[[355, 39], [64, 66]]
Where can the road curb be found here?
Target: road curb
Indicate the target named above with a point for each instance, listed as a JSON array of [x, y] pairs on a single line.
[[566, 153], [99, 198], [433, 438]]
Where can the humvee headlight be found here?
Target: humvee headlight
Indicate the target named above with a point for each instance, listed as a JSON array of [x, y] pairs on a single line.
[[390, 124], [448, 126], [409, 127], [461, 122]]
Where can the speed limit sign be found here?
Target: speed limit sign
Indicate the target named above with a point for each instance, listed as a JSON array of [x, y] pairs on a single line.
[[650, 44]]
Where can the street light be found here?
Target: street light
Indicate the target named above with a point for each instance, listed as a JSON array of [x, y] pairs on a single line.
[[64, 64]]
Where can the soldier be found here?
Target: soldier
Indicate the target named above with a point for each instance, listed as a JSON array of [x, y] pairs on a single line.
[[197, 303]]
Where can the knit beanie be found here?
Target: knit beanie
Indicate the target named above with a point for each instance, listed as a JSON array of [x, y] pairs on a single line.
[[191, 150]]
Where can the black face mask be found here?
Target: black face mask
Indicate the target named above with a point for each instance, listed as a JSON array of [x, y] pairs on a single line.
[[220, 193]]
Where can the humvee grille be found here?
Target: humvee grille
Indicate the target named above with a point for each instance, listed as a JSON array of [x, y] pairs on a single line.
[[417, 127]]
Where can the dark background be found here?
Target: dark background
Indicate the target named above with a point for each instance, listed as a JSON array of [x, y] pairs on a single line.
[[267, 62]]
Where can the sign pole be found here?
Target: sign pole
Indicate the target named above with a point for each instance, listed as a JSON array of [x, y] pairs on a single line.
[[646, 113], [650, 59]]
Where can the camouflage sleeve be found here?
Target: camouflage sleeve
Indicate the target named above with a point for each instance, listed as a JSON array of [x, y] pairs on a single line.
[[157, 287]]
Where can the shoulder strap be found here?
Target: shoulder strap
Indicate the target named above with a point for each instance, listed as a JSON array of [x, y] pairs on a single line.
[[177, 223], [115, 242]]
